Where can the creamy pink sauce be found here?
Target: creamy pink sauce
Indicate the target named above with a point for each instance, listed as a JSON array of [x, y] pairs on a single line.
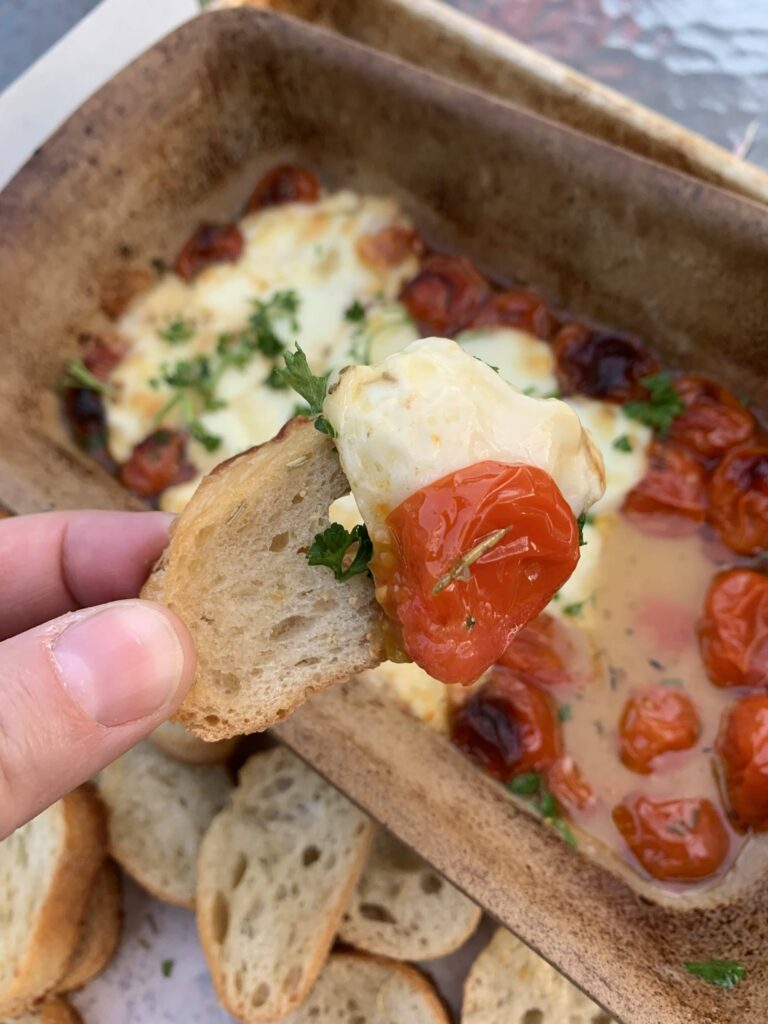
[[646, 606]]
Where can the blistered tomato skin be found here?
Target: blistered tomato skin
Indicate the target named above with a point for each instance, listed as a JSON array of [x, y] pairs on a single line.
[[742, 747], [536, 652], [508, 727], [284, 184], [656, 721], [389, 246], [671, 499], [601, 365], [733, 630], [714, 420], [457, 622], [738, 499], [566, 780], [522, 310], [674, 840], [210, 244], [446, 295], [159, 461]]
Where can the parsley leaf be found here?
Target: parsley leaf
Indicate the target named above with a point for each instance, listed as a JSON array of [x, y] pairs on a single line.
[[581, 522], [330, 548], [209, 441], [662, 406], [355, 313], [177, 331], [573, 609], [564, 713], [297, 375], [77, 375], [623, 444], [533, 787], [724, 973], [166, 968], [275, 380]]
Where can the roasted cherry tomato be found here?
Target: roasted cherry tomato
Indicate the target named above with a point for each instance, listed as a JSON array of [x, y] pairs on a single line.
[[742, 746], [714, 420], [538, 651], [522, 310], [101, 356], [671, 499], [567, 782], [389, 246], [675, 840], [738, 499], [211, 243], [284, 184], [655, 722], [733, 631], [507, 726], [601, 365], [445, 295], [84, 410], [156, 463], [476, 555]]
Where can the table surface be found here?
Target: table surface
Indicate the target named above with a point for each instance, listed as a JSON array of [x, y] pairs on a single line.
[[701, 62]]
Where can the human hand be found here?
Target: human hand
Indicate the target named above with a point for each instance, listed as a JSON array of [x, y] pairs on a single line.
[[86, 670]]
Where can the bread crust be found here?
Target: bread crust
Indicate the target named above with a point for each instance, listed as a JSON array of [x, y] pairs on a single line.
[[270, 629], [54, 936], [101, 930]]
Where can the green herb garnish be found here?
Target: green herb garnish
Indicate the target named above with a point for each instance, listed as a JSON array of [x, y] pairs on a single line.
[[312, 388], [662, 406], [581, 522], [178, 331], [166, 968], [355, 313], [533, 787], [274, 380], [564, 712], [77, 375], [330, 548], [724, 973], [573, 609], [623, 444]]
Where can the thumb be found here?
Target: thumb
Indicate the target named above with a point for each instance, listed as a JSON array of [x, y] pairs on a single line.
[[76, 692]]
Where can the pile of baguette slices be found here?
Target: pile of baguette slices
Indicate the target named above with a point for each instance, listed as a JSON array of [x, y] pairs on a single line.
[[307, 912]]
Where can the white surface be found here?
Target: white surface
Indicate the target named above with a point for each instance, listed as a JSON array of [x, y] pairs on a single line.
[[107, 39]]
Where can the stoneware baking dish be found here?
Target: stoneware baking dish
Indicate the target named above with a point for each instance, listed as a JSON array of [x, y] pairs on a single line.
[[177, 138]]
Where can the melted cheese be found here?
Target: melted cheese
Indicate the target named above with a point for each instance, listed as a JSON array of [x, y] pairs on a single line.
[[432, 409], [523, 361], [309, 248]]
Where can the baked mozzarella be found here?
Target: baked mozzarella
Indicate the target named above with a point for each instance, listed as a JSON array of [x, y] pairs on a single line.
[[470, 491]]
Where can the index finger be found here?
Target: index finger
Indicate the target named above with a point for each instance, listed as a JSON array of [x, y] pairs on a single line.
[[55, 562]]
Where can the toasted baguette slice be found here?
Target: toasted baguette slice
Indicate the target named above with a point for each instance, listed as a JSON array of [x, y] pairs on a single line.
[[403, 909], [53, 1010], [177, 741], [269, 628], [100, 934], [158, 811], [510, 984], [358, 989], [276, 870], [47, 872]]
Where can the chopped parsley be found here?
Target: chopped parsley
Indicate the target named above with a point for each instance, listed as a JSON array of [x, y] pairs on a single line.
[[275, 380], [178, 331], [297, 375], [623, 444], [564, 713], [663, 404], [672, 681], [723, 973], [331, 547], [581, 522], [166, 968], [77, 375], [532, 787], [261, 333], [355, 313], [573, 609]]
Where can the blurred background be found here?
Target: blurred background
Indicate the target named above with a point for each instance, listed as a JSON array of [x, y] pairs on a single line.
[[703, 63]]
